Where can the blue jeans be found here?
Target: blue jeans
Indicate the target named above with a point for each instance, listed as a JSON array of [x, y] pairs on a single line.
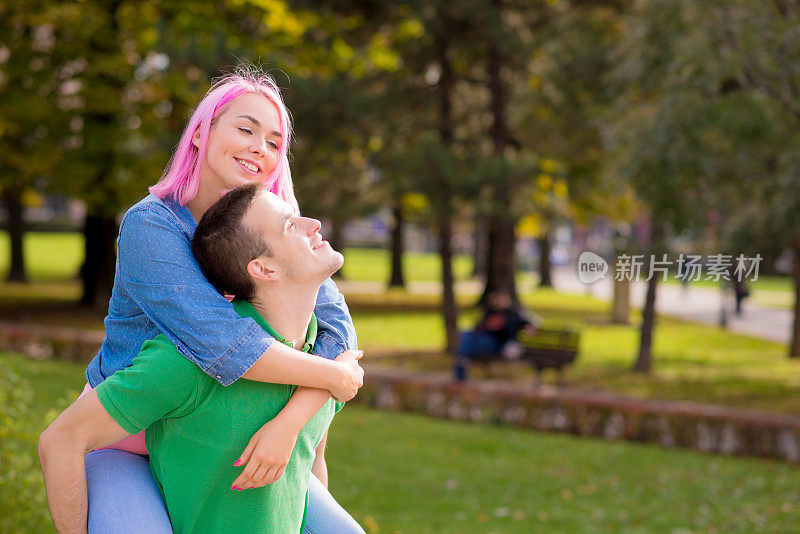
[[470, 345], [124, 499], [325, 515]]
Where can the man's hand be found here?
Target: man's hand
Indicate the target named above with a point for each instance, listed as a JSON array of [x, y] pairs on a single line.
[[266, 456], [352, 375]]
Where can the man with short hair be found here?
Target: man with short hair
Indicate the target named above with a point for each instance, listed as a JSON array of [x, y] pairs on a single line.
[[251, 244]]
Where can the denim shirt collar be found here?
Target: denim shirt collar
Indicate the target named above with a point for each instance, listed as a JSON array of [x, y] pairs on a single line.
[[182, 213], [245, 309]]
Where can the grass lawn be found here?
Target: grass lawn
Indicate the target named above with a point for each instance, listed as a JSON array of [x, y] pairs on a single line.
[[400, 473], [374, 265], [48, 256], [691, 362], [58, 256]]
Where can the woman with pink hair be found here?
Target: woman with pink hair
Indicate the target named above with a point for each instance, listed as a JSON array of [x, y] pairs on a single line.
[[239, 133]]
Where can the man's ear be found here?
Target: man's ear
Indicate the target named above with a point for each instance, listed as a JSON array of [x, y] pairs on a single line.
[[196, 137], [261, 270]]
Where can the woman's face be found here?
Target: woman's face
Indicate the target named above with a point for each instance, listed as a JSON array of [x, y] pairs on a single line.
[[242, 144]]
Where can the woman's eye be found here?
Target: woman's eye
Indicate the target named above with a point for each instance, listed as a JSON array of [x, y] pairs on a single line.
[[273, 144], [246, 130]]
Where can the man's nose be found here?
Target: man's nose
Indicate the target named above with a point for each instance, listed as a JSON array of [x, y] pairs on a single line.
[[313, 225]]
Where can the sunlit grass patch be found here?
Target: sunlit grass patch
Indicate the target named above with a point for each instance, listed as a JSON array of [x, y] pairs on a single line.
[[412, 474]]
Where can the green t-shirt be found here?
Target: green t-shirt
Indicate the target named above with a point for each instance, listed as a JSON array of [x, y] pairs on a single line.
[[197, 429]]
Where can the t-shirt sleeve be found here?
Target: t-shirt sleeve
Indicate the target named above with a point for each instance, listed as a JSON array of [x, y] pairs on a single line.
[[159, 383], [337, 406]]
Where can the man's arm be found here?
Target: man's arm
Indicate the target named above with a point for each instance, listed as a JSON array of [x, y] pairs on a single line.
[[82, 427], [320, 468]]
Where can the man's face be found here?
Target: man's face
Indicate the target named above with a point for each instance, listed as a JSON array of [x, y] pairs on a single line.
[[298, 252]]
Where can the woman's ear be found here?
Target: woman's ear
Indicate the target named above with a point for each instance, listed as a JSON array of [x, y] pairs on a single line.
[[196, 137], [260, 270]]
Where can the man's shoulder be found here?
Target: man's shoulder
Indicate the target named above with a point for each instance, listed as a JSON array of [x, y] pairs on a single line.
[[164, 357]]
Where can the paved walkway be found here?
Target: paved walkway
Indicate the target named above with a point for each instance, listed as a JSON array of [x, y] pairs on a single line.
[[697, 304]]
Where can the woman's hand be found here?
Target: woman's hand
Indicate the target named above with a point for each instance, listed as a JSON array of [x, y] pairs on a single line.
[[266, 455], [352, 376]]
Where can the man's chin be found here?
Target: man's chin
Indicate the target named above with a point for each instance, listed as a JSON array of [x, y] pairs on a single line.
[[337, 260]]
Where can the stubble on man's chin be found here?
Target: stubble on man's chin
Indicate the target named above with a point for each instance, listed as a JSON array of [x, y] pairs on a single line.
[[336, 262]]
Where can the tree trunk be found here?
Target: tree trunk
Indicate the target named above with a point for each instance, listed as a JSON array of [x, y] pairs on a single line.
[[480, 250], [794, 346], [545, 279], [12, 198], [501, 265], [102, 124], [621, 308], [644, 361], [446, 81], [97, 273], [448, 295], [397, 279]]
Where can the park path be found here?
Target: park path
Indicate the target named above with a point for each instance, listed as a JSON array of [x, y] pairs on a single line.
[[694, 303]]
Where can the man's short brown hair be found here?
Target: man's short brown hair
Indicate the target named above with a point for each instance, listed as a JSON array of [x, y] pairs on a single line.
[[223, 245]]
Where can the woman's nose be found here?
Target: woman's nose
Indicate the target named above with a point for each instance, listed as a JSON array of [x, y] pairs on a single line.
[[259, 148]]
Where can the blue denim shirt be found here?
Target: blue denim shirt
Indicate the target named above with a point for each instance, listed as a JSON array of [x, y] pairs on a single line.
[[159, 288]]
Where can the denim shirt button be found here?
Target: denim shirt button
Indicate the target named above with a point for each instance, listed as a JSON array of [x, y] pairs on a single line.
[[219, 377]]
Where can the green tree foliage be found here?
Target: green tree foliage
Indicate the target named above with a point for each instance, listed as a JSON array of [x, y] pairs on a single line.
[[693, 134], [30, 121]]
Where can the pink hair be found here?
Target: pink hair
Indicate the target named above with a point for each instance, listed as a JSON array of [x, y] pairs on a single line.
[[182, 176]]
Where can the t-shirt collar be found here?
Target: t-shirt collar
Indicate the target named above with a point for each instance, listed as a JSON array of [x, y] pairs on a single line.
[[245, 309]]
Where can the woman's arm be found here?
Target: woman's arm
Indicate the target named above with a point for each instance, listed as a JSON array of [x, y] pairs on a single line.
[[320, 467], [281, 364], [336, 330], [270, 449], [158, 271]]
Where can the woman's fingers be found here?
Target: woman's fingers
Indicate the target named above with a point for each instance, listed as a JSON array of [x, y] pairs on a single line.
[[248, 451], [258, 475], [249, 471]]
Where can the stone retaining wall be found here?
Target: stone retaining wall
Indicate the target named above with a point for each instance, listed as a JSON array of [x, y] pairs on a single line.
[[669, 423], [702, 427], [43, 342]]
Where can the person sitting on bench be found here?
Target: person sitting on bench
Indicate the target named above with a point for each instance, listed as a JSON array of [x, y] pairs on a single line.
[[495, 334]]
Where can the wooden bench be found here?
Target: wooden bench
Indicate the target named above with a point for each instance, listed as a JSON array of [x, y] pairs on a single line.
[[548, 348]]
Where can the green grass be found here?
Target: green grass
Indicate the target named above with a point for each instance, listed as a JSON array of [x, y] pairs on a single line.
[[400, 473], [691, 362], [373, 265], [48, 256]]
